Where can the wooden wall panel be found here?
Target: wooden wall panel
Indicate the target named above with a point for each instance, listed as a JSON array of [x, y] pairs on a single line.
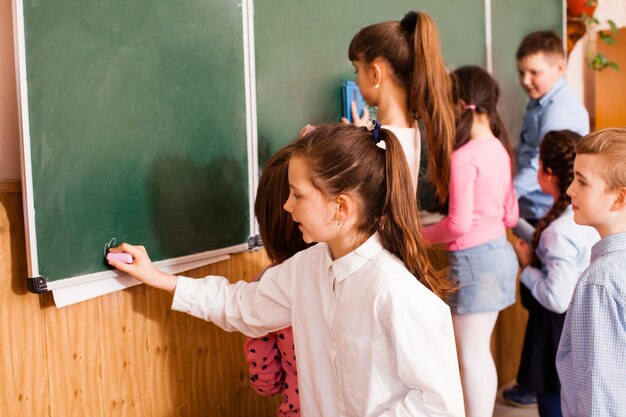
[[23, 352], [74, 359], [128, 354], [610, 85], [123, 349]]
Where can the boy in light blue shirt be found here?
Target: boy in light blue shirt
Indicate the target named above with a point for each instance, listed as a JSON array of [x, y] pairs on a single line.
[[551, 106], [591, 360]]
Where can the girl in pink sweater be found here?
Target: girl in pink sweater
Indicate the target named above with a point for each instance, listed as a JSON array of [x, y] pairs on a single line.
[[272, 359], [482, 204]]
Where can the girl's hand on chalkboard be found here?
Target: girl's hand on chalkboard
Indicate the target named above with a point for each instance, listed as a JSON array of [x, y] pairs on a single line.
[[358, 121], [142, 268]]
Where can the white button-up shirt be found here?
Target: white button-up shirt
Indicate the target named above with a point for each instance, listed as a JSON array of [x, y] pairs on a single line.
[[370, 339]]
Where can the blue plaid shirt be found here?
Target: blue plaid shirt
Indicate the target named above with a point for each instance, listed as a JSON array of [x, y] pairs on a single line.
[[558, 109], [591, 360]]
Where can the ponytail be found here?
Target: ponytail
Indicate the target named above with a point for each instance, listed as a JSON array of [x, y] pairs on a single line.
[[399, 228], [344, 158], [430, 98], [479, 92], [411, 47], [557, 153]]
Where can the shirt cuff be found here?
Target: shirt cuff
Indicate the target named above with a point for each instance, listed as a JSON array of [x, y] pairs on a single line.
[[529, 276], [183, 294]]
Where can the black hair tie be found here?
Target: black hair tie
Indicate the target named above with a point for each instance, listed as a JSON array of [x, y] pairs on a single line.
[[409, 22], [376, 132]]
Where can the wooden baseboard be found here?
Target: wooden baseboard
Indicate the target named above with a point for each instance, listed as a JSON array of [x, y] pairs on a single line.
[[10, 186]]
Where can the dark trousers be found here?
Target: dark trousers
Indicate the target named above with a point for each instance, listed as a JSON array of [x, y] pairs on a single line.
[[549, 405]]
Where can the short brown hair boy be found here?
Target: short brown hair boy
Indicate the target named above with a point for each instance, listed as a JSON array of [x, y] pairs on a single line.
[[546, 42]]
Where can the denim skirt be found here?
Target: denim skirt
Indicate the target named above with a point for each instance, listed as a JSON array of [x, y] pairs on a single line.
[[485, 276]]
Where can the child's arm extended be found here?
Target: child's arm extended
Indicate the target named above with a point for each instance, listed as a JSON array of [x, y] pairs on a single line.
[[254, 308], [142, 268], [554, 288], [264, 364]]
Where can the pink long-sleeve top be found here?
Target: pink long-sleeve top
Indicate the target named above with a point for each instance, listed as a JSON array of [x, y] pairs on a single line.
[[482, 201], [272, 366]]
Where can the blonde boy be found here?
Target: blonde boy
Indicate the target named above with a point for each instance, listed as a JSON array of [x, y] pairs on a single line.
[[591, 360]]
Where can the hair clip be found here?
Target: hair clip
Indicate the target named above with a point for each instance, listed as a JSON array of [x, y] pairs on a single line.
[[471, 107], [376, 132]]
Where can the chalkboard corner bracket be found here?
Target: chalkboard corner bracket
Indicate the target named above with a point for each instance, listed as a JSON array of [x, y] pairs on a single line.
[[37, 285]]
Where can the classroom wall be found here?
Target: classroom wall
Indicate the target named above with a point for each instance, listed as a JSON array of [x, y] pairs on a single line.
[[125, 353], [122, 354], [128, 354]]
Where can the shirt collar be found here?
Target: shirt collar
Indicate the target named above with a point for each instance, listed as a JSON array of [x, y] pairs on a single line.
[[611, 243], [353, 261], [547, 97]]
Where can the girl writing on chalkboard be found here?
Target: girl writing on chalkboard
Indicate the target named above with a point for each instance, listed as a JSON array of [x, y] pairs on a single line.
[[371, 333], [400, 69], [482, 205], [271, 358]]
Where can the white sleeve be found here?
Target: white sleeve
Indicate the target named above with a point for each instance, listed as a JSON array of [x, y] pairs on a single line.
[[554, 288], [252, 308]]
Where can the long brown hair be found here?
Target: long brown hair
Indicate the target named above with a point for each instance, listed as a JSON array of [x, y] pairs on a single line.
[[557, 153], [411, 47], [476, 88], [281, 237], [344, 158]]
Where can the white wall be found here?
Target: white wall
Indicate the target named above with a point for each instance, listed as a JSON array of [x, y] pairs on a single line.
[[9, 136]]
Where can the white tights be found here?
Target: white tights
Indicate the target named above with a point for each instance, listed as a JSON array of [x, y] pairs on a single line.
[[478, 370]]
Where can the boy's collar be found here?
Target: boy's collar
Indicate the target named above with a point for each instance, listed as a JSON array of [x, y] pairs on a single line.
[[545, 99], [610, 243]]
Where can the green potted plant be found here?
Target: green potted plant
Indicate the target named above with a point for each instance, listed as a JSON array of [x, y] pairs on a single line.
[[583, 11]]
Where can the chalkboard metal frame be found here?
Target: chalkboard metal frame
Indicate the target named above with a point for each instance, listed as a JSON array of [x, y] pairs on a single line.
[[107, 281]]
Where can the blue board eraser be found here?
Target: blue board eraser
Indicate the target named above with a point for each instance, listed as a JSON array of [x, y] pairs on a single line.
[[350, 92], [124, 257]]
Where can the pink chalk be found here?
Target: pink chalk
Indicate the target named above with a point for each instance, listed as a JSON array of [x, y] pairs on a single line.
[[127, 258]]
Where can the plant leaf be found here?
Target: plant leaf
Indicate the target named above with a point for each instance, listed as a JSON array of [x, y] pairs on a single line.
[[606, 38], [613, 26]]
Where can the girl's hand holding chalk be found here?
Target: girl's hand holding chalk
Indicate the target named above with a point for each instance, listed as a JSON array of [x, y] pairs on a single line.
[[140, 266]]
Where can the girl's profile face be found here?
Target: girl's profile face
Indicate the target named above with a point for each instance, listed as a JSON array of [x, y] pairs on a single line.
[[364, 79], [309, 207]]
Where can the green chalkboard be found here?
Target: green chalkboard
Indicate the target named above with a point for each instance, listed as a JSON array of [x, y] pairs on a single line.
[[136, 113], [301, 52]]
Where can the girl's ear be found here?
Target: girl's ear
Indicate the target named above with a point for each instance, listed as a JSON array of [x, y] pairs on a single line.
[[345, 207], [376, 72]]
